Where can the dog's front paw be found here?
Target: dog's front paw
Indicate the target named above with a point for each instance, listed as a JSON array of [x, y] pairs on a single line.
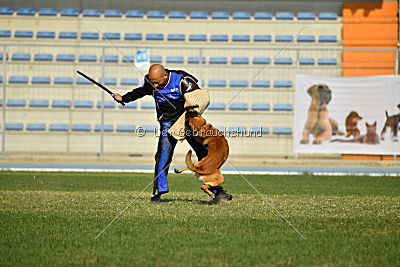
[[304, 141], [317, 142]]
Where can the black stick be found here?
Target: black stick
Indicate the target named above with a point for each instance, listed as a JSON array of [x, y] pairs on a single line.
[[99, 85]]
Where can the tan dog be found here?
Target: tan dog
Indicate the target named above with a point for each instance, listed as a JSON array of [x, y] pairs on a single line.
[[351, 124], [218, 151], [393, 122], [318, 122]]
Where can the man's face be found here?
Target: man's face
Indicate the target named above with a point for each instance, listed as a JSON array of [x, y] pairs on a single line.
[[159, 81]]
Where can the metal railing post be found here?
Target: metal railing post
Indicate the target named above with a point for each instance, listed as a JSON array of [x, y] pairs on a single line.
[[396, 72], [3, 128], [102, 103]]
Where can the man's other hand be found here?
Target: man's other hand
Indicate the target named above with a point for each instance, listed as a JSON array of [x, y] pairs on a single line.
[[117, 97]]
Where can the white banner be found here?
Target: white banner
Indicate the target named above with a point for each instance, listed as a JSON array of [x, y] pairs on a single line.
[[347, 115]]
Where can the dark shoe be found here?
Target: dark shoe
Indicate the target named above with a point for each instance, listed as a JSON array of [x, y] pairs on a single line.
[[220, 195], [156, 198]]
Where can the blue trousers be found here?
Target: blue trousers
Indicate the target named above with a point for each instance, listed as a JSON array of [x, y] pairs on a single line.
[[165, 151]]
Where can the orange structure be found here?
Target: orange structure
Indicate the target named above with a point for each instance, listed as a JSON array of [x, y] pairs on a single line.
[[370, 25]]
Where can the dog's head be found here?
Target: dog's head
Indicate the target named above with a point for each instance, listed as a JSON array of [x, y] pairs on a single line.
[[353, 115], [321, 93], [194, 119]]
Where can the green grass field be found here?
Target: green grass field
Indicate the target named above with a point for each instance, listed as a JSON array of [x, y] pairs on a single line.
[[53, 218]]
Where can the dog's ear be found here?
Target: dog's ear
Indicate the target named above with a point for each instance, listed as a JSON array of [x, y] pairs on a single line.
[[325, 94], [191, 113], [374, 124], [311, 90]]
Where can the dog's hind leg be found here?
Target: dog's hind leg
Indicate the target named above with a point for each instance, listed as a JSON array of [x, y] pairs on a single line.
[[206, 189], [181, 170]]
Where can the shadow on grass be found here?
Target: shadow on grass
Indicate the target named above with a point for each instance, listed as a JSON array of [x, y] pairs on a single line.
[[193, 201]]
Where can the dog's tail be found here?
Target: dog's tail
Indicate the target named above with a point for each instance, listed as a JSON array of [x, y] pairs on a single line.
[[190, 164], [387, 115]]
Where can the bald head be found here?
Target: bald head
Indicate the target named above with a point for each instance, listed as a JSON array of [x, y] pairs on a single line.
[[158, 76]]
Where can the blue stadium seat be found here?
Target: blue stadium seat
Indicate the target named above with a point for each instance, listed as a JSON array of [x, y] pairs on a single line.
[[241, 38], [259, 129], [262, 38], [176, 37], [221, 128], [283, 61], [219, 37], [283, 107], [41, 80], [195, 60], [67, 35], [58, 127], [241, 15], [154, 36], [129, 105], [14, 126], [129, 81], [327, 61], [87, 58], [61, 104], [112, 35], [16, 103], [6, 11], [82, 80], [282, 130], [21, 56], [284, 15], [283, 38], [26, 11], [127, 58], [198, 15], [261, 60], [217, 83], [107, 104], [327, 38], [218, 60], [113, 13], [238, 106], [39, 103], [110, 58], [36, 127], [327, 16], [173, 59], [5, 33], [220, 15], [147, 105], [240, 60], [109, 81], [18, 79], [69, 12], [83, 104], [306, 38], [260, 106], [177, 15], [107, 128], [197, 37], [307, 61], [260, 83], [1, 56], [237, 129], [306, 16], [282, 83], [149, 128], [89, 35], [134, 14], [91, 13], [156, 14], [155, 59], [48, 12], [81, 127], [133, 36], [216, 106], [126, 128], [1, 81], [238, 83], [63, 80], [262, 15], [65, 57], [23, 34], [46, 34]]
